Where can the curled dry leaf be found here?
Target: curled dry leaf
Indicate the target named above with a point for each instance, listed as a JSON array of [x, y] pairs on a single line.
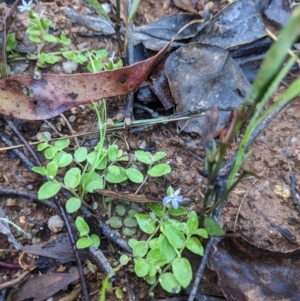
[[24, 97]]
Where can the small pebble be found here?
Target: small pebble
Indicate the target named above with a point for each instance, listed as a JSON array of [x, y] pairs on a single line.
[[209, 7], [293, 140], [69, 66], [72, 118], [55, 224], [106, 7], [46, 134]]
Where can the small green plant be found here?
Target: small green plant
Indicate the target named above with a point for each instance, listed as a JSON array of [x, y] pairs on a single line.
[[159, 258], [85, 240], [86, 171]]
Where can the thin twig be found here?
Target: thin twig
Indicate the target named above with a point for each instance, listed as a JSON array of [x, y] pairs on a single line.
[[293, 190], [73, 242], [26, 144], [31, 196]]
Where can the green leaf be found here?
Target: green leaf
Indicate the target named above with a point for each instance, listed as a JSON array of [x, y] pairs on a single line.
[[134, 175], [159, 170], [82, 226], [192, 222], [140, 249], [62, 143], [182, 271], [101, 54], [120, 210], [96, 240], [35, 39], [99, 9], [201, 232], [132, 242], [154, 255], [177, 212], [113, 153], [115, 222], [45, 23], [169, 283], [69, 55], [152, 270], [50, 38], [124, 259], [130, 222], [113, 178], [95, 182], [72, 177], [42, 146], [52, 168], [33, 31], [95, 66], [194, 245], [63, 159], [175, 237], [81, 154], [73, 204], [144, 157], [84, 242], [150, 279], [133, 9], [48, 190], [153, 243], [40, 170], [158, 156], [157, 208], [11, 42], [50, 152], [141, 267], [168, 251], [115, 170], [119, 293], [212, 228], [146, 224]]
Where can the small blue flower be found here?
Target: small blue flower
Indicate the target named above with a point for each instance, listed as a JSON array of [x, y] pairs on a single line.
[[174, 198], [25, 6]]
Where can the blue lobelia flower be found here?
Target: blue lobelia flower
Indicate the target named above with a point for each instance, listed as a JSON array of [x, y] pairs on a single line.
[[174, 198], [25, 6]]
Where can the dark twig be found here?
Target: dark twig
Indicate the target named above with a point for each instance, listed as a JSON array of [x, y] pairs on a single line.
[[293, 190], [76, 254], [26, 144], [27, 162], [212, 241], [31, 196]]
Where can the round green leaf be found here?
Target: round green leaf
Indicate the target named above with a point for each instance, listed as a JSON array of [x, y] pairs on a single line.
[[119, 293], [159, 170], [194, 245], [63, 159], [140, 249], [182, 271], [177, 212], [113, 153], [134, 175], [144, 157], [115, 222], [61, 144], [80, 154], [130, 222], [158, 156], [141, 267], [129, 231], [82, 226], [73, 204], [96, 240], [72, 177], [84, 242], [169, 283], [116, 178], [124, 259], [50, 152], [48, 190], [121, 210], [146, 224], [52, 168]]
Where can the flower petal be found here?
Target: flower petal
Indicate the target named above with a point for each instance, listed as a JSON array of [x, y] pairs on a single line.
[[175, 203], [166, 200]]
